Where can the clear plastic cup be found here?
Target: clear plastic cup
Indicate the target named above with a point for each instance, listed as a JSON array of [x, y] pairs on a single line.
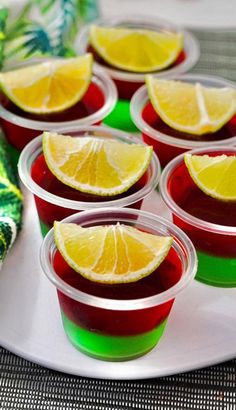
[[20, 127], [118, 327], [168, 146], [128, 82], [55, 201], [215, 243]]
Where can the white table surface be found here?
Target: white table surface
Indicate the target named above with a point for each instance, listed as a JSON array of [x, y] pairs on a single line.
[[189, 13]]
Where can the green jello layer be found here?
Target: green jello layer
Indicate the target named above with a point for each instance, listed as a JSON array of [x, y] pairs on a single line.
[[107, 347], [216, 271], [44, 228], [120, 117]]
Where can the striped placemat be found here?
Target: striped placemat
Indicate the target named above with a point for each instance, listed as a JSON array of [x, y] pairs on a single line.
[[218, 53], [25, 385]]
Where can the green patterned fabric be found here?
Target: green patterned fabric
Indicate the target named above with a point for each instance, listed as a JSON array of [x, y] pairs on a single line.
[[43, 28], [10, 203]]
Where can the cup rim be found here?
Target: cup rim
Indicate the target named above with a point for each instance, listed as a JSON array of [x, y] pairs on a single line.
[[34, 148], [191, 46], [100, 78], [137, 105], [186, 247], [176, 209]]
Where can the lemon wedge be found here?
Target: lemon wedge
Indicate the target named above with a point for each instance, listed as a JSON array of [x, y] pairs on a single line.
[[191, 108], [95, 165], [50, 86], [215, 176], [110, 254], [134, 49]]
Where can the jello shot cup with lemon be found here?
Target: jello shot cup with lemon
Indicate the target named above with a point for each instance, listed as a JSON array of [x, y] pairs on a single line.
[[189, 112], [87, 167], [117, 272], [128, 47], [199, 188], [53, 93]]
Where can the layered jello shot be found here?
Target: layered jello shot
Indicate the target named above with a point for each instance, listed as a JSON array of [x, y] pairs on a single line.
[[50, 94], [199, 188], [128, 47], [117, 272], [189, 112], [87, 167]]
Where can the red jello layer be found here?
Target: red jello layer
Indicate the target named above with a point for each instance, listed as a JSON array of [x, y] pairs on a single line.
[[113, 321], [49, 212], [192, 200], [19, 136]]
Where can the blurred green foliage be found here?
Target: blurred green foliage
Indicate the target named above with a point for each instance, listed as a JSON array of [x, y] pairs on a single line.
[[43, 28]]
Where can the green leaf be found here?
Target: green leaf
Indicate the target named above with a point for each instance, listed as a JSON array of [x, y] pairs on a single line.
[[37, 40], [88, 10], [45, 5], [18, 26]]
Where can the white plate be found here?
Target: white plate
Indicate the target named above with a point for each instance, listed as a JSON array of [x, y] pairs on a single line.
[[200, 14], [201, 329]]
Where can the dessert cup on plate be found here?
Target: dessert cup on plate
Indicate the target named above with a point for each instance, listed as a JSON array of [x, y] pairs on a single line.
[[21, 127], [128, 82], [168, 142], [122, 321], [209, 223], [55, 200]]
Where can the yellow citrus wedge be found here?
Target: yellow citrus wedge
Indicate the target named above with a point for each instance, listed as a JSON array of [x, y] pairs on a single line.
[[216, 176], [110, 254], [136, 50], [191, 108], [95, 165], [50, 86]]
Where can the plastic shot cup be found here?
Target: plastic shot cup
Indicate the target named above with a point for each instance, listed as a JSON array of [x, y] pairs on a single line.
[[98, 319], [167, 142], [209, 223], [128, 82], [55, 200], [20, 127]]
